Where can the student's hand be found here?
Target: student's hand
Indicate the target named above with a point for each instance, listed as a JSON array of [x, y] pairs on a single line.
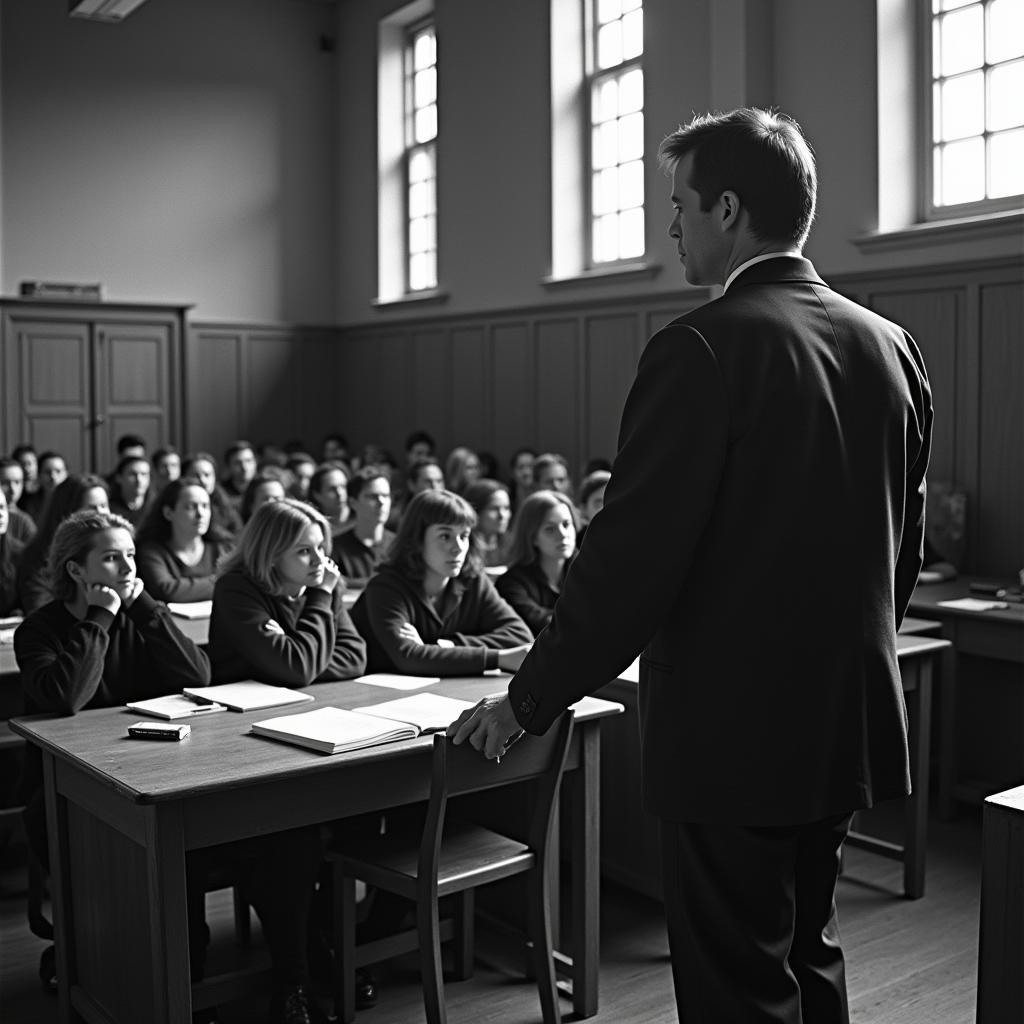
[[511, 658], [137, 587], [490, 727], [407, 631], [99, 596], [332, 574]]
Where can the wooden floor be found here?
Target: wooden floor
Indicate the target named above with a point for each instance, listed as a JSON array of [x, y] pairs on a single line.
[[908, 962]]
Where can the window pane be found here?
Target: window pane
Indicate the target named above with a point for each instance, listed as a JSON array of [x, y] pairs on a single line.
[[606, 239], [631, 92], [608, 10], [1005, 30], [424, 87], [632, 35], [631, 185], [962, 103], [421, 199], [631, 137], [631, 234], [962, 46], [1006, 96], [1006, 164], [606, 145], [609, 45], [421, 271], [630, 5], [963, 172], [606, 191], [605, 102], [420, 235], [426, 124], [421, 165], [949, 5], [424, 52]]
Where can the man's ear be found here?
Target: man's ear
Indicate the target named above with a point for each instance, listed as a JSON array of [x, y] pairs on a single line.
[[729, 210]]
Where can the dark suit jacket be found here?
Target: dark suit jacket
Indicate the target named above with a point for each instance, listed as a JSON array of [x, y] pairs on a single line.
[[781, 433]]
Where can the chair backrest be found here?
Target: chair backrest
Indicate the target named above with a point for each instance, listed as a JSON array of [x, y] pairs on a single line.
[[457, 770]]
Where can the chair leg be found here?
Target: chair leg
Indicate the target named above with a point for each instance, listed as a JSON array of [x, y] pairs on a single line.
[[429, 928], [38, 923], [464, 934], [344, 946], [539, 922], [243, 921]]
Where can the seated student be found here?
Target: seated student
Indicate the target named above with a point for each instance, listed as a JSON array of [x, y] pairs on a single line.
[[302, 466], [419, 445], [240, 466], [935, 568], [335, 449], [591, 498], [131, 444], [328, 492], [224, 516], [177, 549], [277, 609], [551, 473], [269, 484], [461, 469], [10, 550], [26, 457], [493, 508], [543, 544], [104, 641], [130, 496], [12, 484], [166, 467], [521, 484], [431, 610], [359, 551], [71, 495], [52, 471]]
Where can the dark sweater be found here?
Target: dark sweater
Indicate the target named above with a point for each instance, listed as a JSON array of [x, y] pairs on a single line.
[[528, 591], [103, 660], [168, 578], [470, 614], [357, 561], [256, 635], [10, 552]]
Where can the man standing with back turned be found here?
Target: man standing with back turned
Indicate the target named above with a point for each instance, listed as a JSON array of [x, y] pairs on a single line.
[[786, 432]]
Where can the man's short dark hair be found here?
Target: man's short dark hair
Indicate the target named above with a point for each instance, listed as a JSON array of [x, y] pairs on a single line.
[[762, 156], [235, 447], [126, 441], [363, 476], [420, 437]]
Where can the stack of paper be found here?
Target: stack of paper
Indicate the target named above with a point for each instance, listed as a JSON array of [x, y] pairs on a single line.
[[247, 695]]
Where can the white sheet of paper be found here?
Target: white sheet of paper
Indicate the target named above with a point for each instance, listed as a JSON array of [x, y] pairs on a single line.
[[191, 609], [397, 682], [973, 604]]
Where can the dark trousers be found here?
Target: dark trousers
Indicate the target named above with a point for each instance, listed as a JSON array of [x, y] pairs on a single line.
[[752, 922]]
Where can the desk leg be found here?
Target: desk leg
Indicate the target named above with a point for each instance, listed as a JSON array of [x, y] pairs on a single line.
[[915, 843], [60, 888], [586, 893], [947, 736], [168, 921]]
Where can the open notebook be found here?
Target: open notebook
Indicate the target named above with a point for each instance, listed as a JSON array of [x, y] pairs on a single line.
[[334, 730]]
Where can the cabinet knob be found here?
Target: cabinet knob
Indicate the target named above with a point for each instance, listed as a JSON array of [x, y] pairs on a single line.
[[98, 421]]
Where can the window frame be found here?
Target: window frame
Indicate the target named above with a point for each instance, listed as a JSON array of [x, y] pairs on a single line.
[[928, 211]]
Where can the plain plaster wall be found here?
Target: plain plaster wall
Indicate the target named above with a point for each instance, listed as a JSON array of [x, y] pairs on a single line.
[[186, 154]]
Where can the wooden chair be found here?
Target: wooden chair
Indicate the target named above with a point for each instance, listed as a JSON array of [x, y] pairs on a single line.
[[454, 860]]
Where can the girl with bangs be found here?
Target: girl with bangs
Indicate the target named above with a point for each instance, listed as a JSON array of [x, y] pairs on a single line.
[[178, 546], [431, 610], [278, 614], [542, 548]]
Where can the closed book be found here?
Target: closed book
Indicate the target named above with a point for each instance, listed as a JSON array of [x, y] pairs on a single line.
[[247, 695], [177, 705], [191, 609], [333, 730]]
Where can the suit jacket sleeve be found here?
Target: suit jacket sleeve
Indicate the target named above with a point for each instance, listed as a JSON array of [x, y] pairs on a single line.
[[672, 452]]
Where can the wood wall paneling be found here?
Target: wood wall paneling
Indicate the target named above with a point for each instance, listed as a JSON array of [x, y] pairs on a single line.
[[215, 390], [471, 390], [431, 385], [560, 397], [611, 353], [274, 394], [514, 404], [317, 394], [1000, 512]]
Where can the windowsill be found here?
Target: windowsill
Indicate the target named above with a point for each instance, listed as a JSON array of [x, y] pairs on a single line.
[[432, 297], [942, 232], [605, 275]]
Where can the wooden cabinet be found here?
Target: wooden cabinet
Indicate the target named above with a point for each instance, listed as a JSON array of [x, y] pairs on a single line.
[[76, 376]]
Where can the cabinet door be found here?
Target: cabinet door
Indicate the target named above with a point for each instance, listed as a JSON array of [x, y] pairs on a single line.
[[53, 374], [132, 367]]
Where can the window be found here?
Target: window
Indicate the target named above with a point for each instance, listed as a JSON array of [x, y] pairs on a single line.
[[974, 123], [421, 158], [615, 88]]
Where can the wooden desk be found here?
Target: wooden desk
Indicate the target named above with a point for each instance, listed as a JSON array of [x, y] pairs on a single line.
[[122, 813], [1001, 934], [630, 847], [988, 651]]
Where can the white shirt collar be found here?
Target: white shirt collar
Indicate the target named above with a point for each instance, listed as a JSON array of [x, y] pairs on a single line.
[[758, 259]]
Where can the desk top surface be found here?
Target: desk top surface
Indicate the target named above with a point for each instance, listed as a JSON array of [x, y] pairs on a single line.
[[221, 753], [927, 598]]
